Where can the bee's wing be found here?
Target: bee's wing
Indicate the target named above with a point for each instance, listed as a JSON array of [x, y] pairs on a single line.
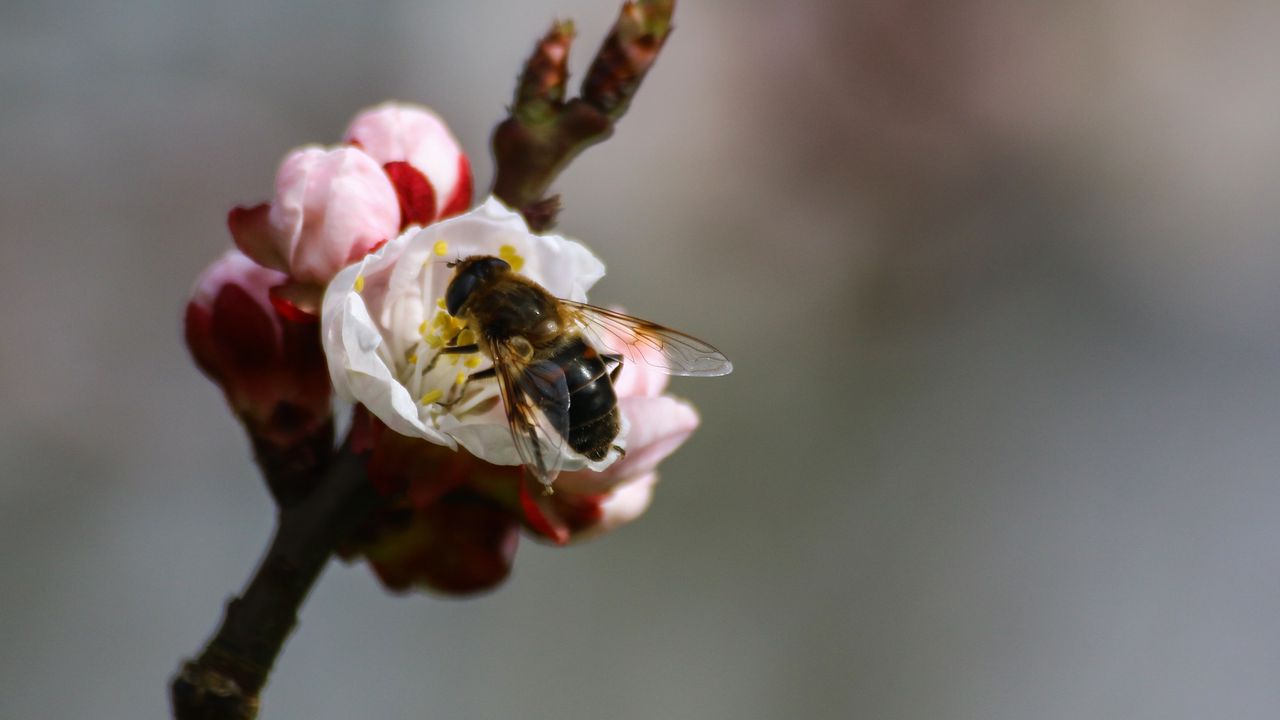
[[536, 398], [643, 342]]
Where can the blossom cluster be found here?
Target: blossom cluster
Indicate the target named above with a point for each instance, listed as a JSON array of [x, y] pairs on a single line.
[[335, 289]]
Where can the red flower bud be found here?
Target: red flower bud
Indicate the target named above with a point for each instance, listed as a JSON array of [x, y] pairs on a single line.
[[272, 370]]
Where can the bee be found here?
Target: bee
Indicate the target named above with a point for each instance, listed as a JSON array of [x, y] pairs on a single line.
[[556, 360]]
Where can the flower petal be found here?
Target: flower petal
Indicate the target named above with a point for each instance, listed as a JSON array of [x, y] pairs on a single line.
[[640, 380], [417, 197], [253, 233], [355, 350], [331, 207], [402, 132], [458, 203], [626, 503], [658, 426]]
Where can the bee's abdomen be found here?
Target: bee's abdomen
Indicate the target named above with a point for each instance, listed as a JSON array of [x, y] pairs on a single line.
[[593, 406]]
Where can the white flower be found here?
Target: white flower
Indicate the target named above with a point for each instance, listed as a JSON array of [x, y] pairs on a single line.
[[384, 323]]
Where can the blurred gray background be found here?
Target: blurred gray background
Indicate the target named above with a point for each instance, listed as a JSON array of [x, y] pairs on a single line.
[[998, 278]]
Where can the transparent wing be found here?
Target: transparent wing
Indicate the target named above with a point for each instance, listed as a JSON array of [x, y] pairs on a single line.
[[641, 341], [536, 398]]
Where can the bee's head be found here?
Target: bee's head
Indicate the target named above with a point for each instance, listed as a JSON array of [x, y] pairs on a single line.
[[470, 273]]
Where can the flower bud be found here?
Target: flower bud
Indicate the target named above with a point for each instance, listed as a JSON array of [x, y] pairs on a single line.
[[330, 208], [271, 369], [431, 174]]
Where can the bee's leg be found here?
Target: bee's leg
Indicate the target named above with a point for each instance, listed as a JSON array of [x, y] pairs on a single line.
[[617, 370], [451, 350], [460, 349], [460, 391], [622, 452]]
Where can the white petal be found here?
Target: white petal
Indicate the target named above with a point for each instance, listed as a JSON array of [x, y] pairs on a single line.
[[358, 362], [367, 332]]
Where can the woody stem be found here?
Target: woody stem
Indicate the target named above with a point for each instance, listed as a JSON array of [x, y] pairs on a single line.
[[224, 680], [544, 132]]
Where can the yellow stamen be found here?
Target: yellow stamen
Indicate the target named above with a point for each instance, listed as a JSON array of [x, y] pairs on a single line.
[[412, 359], [509, 254], [434, 341], [466, 337], [431, 396], [472, 361], [422, 328], [462, 378], [440, 304], [359, 285], [441, 248]]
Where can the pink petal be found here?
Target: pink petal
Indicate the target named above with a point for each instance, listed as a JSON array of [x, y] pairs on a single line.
[[399, 132], [331, 207], [627, 503], [658, 426], [639, 380]]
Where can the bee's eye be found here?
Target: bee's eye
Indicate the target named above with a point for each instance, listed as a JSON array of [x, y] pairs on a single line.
[[458, 291], [472, 271]]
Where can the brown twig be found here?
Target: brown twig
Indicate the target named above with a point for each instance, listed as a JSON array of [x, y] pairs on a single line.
[[544, 131], [293, 469], [224, 681]]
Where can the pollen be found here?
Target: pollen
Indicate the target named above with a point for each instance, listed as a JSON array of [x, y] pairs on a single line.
[[359, 284], [441, 248], [472, 361], [440, 304], [512, 258], [462, 378], [434, 341], [422, 328], [412, 359], [432, 395], [466, 337]]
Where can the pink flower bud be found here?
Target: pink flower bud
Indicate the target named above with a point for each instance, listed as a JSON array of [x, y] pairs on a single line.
[[431, 174], [330, 208], [272, 370]]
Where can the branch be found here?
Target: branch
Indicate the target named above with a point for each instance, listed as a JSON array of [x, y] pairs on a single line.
[[544, 131], [224, 681]]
